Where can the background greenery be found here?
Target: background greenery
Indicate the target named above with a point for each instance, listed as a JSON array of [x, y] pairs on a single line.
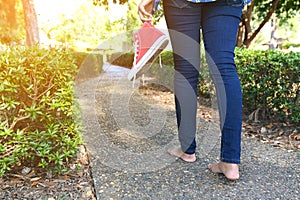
[[38, 113], [271, 83]]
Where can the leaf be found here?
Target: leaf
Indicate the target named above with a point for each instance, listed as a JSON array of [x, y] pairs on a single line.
[[47, 184], [296, 137], [34, 183], [35, 179]]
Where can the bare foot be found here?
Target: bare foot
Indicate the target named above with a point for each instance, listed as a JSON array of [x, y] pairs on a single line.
[[231, 171], [177, 152]]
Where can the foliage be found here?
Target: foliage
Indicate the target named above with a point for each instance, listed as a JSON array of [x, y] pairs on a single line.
[[92, 26], [106, 3], [132, 20], [285, 9], [287, 45], [271, 82], [159, 13], [261, 11], [84, 28], [39, 126]]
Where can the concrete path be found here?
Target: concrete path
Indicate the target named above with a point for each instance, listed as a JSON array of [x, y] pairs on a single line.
[[127, 133]]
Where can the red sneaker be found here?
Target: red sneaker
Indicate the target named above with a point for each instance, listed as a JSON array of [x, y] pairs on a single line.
[[149, 43]]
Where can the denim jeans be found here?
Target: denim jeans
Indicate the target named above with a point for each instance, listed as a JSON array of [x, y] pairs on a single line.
[[219, 23]]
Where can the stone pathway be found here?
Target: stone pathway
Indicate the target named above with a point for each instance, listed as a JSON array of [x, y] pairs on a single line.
[[127, 131]]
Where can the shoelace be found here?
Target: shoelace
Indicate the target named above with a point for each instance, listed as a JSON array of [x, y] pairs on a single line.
[[160, 61], [136, 53]]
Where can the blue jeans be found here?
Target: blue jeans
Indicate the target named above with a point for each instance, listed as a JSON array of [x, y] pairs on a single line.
[[219, 23]]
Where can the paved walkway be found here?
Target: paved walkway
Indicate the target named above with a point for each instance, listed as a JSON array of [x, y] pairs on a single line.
[[127, 134]]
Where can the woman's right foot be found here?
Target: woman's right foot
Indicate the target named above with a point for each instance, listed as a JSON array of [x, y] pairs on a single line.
[[230, 170]]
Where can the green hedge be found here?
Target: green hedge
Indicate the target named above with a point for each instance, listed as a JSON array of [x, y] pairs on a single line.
[[39, 127], [271, 83]]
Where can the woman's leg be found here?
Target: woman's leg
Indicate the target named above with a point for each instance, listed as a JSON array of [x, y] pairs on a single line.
[[183, 21], [219, 27]]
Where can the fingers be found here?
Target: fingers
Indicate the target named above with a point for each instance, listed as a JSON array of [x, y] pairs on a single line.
[[144, 14], [145, 17]]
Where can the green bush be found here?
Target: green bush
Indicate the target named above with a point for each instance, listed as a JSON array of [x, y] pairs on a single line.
[[270, 81], [123, 59], [37, 111]]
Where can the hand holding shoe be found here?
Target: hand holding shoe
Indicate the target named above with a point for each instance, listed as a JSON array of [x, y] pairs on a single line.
[[145, 10]]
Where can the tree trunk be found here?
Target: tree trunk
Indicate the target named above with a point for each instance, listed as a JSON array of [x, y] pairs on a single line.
[[245, 30], [241, 30], [251, 37], [248, 17], [31, 23]]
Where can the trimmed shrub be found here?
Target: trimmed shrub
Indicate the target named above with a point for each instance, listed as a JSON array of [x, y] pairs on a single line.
[[37, 112], [271, 83]]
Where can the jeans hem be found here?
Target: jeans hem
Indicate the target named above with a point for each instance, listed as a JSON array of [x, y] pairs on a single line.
[[189, 153], [232, 161]]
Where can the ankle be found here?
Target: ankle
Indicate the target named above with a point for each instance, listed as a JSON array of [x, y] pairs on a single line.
[[229, 165]]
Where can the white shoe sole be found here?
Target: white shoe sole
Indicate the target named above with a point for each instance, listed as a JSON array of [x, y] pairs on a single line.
[[145, 63]]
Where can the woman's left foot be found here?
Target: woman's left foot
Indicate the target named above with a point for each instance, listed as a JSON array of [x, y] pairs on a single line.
[[177, 152], [230, 170]]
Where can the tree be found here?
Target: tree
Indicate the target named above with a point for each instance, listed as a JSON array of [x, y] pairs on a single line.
[[131, 16], [31, 23], [263, 10]]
